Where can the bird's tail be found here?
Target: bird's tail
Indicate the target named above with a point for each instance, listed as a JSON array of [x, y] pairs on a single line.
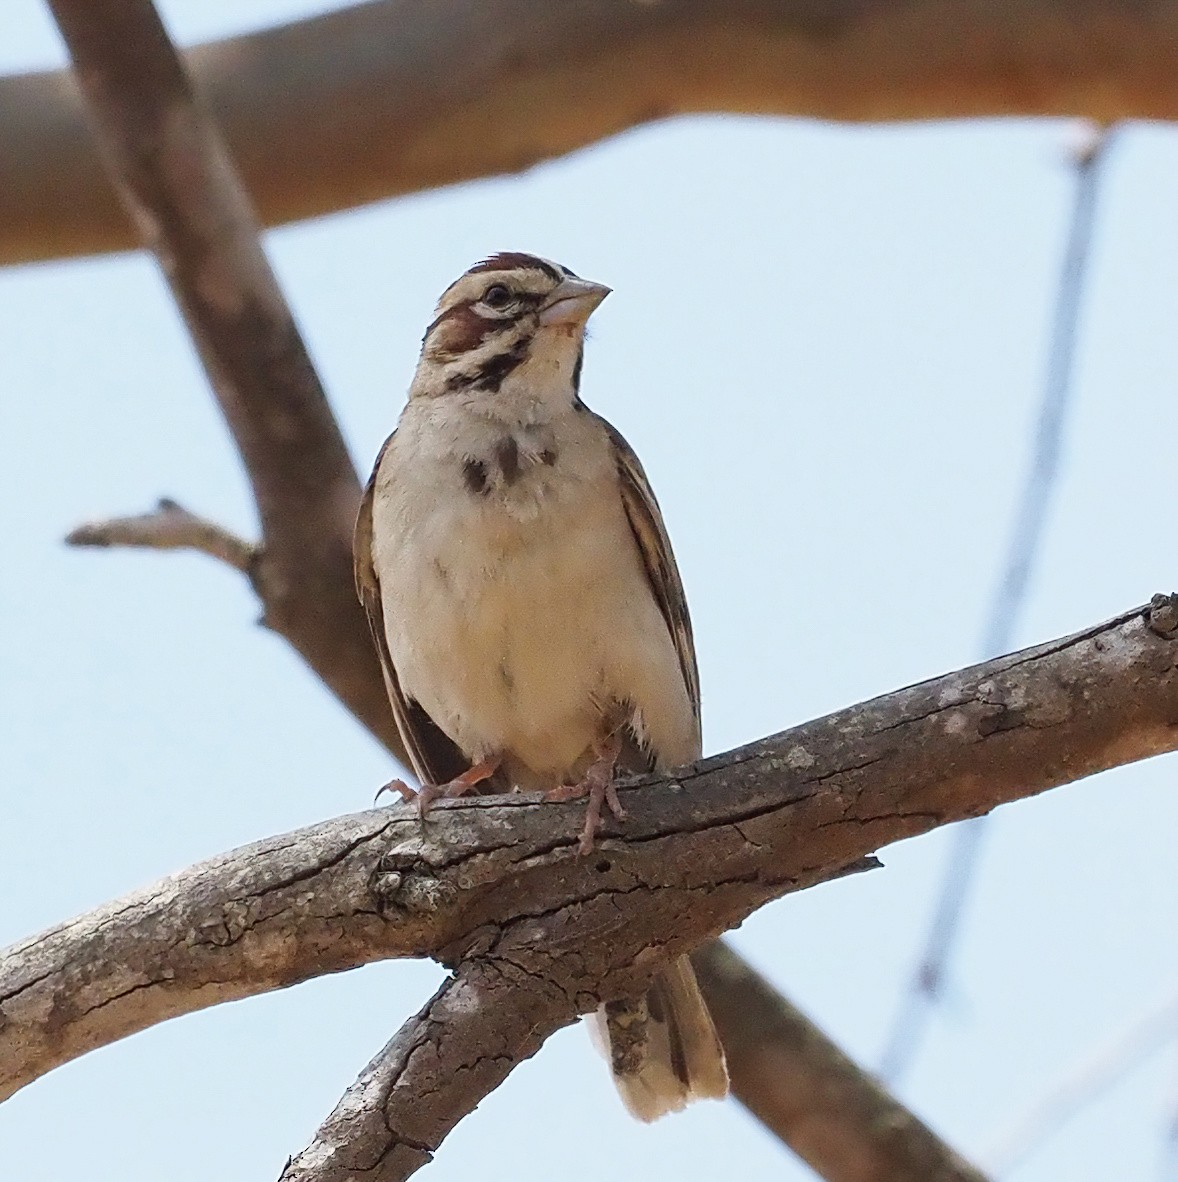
[[662, 1047]]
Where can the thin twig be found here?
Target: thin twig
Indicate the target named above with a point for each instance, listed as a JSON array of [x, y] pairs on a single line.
[[1084, 1082], [168, 527], [925, 989]]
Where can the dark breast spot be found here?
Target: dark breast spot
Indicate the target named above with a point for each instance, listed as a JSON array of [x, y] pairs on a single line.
[[507, 456], [474, 475], [548, 457]]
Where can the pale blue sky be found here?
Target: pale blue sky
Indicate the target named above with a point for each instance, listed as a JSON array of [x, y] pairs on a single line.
[[827, 346]]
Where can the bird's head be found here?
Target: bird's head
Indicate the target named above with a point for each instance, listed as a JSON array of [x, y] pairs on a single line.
[[510, 319]]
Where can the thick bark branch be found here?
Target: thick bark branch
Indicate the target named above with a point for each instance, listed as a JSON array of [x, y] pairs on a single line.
[[496, 881], [395, 97], [175, 178], [442, 1062], [838, 1120]]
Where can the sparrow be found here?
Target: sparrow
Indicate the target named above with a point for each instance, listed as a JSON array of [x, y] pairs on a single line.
[[526, 606]]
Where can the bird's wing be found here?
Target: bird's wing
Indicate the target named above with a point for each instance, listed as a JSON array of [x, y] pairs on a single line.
[[646, 523], [435, 758]]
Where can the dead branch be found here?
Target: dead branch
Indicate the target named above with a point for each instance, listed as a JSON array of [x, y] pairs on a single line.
[[168, 527], [377, 1127], [495, 882], [390, 97]]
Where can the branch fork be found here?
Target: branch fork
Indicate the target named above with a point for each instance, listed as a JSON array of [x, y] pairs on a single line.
[[536, 935]]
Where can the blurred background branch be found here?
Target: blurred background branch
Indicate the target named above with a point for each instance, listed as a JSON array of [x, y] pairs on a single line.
[[174, 176], [391, 97], [168, 526], [844, 1124], [1084, 1082], [926, 988]]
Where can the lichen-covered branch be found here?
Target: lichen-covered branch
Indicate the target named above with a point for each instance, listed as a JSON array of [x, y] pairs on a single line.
[[497, 879]]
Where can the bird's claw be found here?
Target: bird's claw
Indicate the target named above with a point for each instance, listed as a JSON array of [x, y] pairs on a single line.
[[598, 784], [398, 786], [459, 786], [428, 793]]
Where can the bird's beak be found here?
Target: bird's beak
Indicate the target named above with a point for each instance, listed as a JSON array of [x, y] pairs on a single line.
[[572, 302]]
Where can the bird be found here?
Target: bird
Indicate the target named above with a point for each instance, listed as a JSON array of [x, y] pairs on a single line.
[[527, 608]]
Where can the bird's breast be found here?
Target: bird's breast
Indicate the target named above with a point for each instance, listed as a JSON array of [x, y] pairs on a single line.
[[503, 570]]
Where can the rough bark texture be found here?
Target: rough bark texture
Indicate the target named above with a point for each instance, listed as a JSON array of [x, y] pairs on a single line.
[[175, 178], [455, 1051], [834, 1117], [395, 96], [496, 881]]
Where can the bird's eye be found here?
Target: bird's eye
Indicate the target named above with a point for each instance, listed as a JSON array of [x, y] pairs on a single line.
[[497, 296]]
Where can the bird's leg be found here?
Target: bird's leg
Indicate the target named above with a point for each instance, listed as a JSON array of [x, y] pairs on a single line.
[[460, 785], [598, 784]]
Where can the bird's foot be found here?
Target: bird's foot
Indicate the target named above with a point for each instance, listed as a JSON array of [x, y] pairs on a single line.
[[459, 786], [398, 786], [598, 784]]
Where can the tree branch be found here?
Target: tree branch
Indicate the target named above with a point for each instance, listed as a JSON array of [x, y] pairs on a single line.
[[393, 97], [168, 527], [175, 178], [176, 181], [476, 1028], [391, 1120], [496, 882], [837, 1119]]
